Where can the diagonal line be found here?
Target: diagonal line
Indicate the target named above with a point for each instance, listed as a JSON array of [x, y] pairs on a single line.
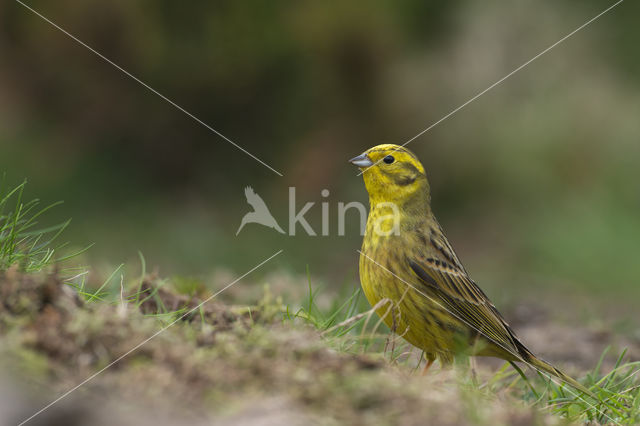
[[632, 387], [440, 305], [624, 380], [146, 340], [554, 379], [503, 78], [149, 87]]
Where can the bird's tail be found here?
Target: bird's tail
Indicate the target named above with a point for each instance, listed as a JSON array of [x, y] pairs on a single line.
[[543, 365]]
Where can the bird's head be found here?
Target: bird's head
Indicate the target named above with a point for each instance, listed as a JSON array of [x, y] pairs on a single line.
[[392, 173]]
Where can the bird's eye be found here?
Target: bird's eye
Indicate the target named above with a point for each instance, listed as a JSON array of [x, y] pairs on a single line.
[[389, 159]]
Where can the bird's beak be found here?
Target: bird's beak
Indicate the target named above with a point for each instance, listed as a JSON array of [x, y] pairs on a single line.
[[362, 160]]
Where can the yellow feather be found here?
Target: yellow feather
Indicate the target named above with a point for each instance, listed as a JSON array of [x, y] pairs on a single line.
[[407, 258]]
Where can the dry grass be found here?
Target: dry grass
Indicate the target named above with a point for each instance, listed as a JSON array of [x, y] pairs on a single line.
[[224, 364]]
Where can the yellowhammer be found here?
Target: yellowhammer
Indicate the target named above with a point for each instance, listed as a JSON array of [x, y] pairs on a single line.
[[406, 258]]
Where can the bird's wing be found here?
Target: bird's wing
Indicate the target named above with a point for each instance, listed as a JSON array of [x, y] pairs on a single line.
[[254, 199], [458, 294], [250, 194]]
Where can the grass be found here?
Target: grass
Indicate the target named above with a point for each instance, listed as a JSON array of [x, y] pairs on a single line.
[[346, 324], [23, 241], [618, 391]]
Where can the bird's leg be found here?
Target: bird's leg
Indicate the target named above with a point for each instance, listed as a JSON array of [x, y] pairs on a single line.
[[473, 366], [427, 365]]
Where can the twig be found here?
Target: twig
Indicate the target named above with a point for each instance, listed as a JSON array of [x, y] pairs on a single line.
[[358, 317]]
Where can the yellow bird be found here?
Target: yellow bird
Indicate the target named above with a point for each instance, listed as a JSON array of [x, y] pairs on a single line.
[[406, 258]]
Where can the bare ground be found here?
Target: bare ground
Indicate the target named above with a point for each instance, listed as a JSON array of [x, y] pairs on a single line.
[[241, 365]]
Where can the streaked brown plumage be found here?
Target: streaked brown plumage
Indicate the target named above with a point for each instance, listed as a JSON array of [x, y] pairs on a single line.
[[407, 258]]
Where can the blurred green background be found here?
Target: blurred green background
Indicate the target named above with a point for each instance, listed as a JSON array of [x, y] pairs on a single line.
[[537, 182]]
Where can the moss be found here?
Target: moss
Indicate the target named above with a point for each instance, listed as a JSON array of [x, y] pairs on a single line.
[[226, 363]]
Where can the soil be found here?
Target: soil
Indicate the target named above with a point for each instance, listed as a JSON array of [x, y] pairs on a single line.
[[225, 364]]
